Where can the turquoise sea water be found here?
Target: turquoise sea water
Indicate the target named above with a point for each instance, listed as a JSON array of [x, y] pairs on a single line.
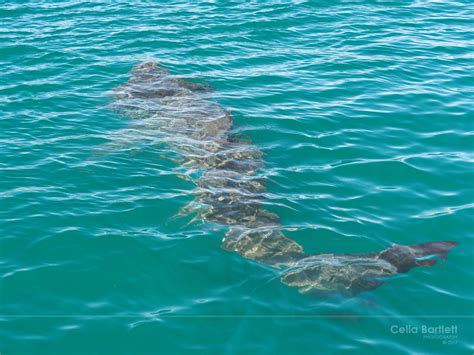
[[363, 110]]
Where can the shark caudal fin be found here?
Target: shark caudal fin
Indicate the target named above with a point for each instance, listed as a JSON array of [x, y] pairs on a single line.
[[406, 257], [350, 274]]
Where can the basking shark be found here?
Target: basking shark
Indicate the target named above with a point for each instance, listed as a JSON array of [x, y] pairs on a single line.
[[229, 191]]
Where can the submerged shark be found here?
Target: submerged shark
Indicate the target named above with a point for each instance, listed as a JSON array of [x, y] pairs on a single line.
[[229, 192]]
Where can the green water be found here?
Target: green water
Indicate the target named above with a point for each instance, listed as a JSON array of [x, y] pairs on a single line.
[[363, 110]]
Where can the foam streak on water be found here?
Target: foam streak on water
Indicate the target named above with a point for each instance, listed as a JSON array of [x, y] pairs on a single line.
[[363, 111]]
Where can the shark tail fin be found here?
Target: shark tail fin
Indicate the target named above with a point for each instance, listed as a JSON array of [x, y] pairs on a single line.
[[406, 257], [349, 274]]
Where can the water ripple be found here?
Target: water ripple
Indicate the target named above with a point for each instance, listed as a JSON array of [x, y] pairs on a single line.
[[363, 111]]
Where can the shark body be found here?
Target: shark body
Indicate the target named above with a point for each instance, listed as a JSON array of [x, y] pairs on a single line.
[[230, 193]]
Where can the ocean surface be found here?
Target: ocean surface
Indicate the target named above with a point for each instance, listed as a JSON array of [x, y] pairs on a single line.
[[363, 111]]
